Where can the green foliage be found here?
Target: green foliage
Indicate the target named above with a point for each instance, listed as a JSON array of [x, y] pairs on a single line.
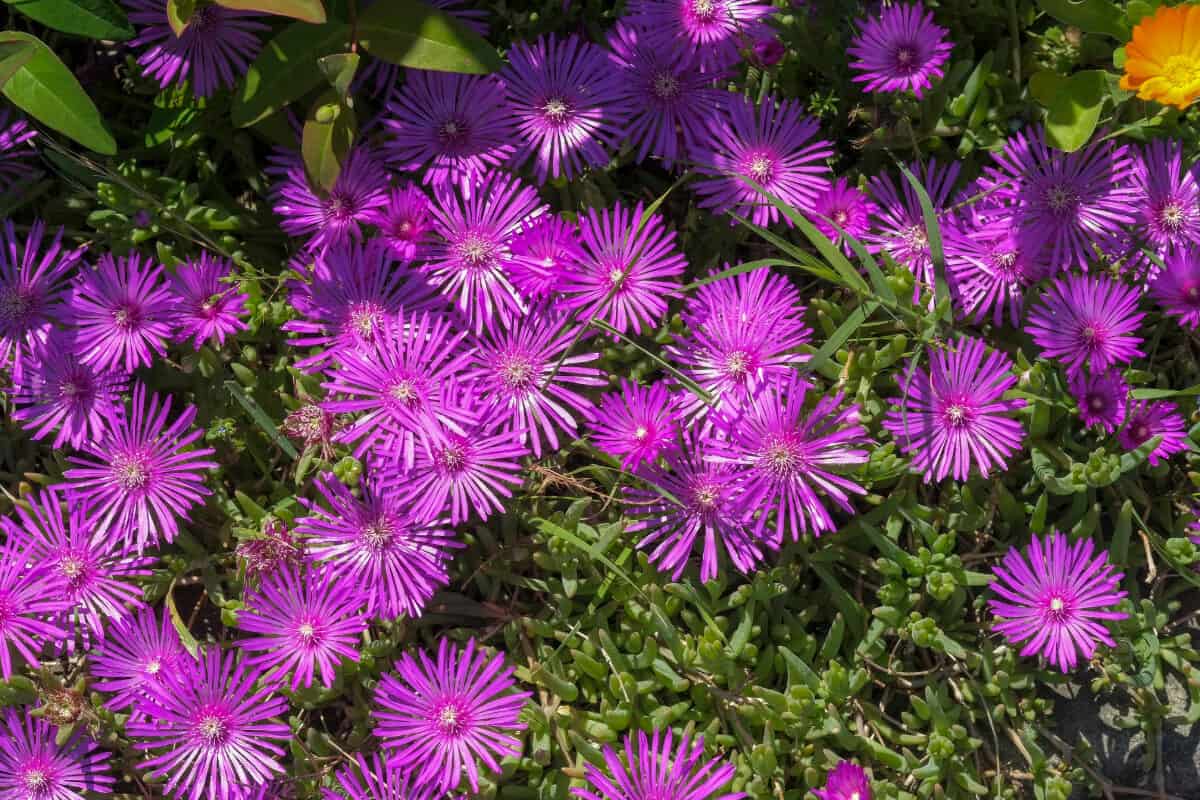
[[95, 19]]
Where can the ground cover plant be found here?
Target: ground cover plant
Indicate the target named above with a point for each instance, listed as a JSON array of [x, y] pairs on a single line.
[[650, 400]]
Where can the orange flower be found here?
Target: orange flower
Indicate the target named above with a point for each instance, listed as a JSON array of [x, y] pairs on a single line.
[[1163, 61]]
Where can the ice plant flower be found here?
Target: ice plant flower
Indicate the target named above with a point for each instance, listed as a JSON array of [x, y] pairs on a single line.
[[847, 781], [274, 548], [440, 719], [1177, 287], [405, 222], [16, 152], [1101, 397], [122, 312], [568, 104], [375, 542], [789, 459], [951, 417], [1162, 60], [376, 779], [212, 52], [697, 498], [1084, 320], [655, 768], [1146, 419], [33, 287], [327, 218], [526, 377], [207, 307], [841, 211], [1168, 196], [628, 272], [144, 475], [28, 598], [34, 766], [899, 50], [636, 423], [760, 298], [140, 650], [544, 251], [304, 625], [207, 731], [987, 267], [471, 261], [716, 30], [1056, 598], [771, 143]]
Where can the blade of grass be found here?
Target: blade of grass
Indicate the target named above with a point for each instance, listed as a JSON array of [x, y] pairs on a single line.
[[933, 233], [840, 336], [261, 418]]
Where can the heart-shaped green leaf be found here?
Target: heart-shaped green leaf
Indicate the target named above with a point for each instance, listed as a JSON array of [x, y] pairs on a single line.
[[303, 10], [96, 19], [413, 34], [1092, 16], [1072, 105]]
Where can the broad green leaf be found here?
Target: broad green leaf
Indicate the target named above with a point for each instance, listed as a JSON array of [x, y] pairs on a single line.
[[1092, 16], [1072, 105], [339, 69], [286, 69], [325, 143], [46, 90], [303, 10], [96, 19], [1159, 394], [13, 56], [413, 34]]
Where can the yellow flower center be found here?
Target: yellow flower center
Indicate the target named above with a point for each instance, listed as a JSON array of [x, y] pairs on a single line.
[[1182, 71]]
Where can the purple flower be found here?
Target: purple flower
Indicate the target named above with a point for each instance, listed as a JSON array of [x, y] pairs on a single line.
[[140, 650], [16, 152], [273, 548], [637, 423], [304, 624], [1065, 202], [756, 298], [951, 416], [1176, 288], [772, 144], [987, 268], [359, 192], [899, 50], [54, 392], [847, 781], [1145, 419], [788, 458], [715, 29], [1087, 321], [214, 50], [693, 497], [214, 732], [405, 222], [1056, 598], [142, 477], [845, 207], [34, 766], [1168, 197], [526, 378], [376, 780], [28, 598], [655, 768], [438, 720], [544, 252], [670, 98], [123, 313], [900, 226], [208, 308], [471, 262], [32, 287], [451, 128], [376, 542], [628, 271], [768, 51], [1101, 397], [568, 104]]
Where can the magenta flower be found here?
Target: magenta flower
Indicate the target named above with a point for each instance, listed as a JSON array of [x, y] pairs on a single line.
[[471, 262], [637, 423], [29, 597], [899, 50], [405, 222], [1176, 288], [140, 650], [654, 768], [16, 152], [302, 624], [544, 252], [123, 313], [438, 720], [716, 30], [1168, 197], [1145, 419], [376, 780], [788, 459], [768, 51], [772, 144], [327, 218], [695, 497], [214, 50], [986, 266], [377, 543], [951, 417], [1056, 599], [568, 103], [143, 477], [1101, 397], [1064, 201], [34, 766], [54, 392], [33, 286], [845, 207], [451, 128], [213, 732], [207, 307], [1087, 321], [756, 298], [628, 271], [847, 781]]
